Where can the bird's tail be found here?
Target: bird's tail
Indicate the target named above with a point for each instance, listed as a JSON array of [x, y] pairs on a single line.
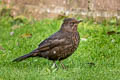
[[22, 57], [31, 54]]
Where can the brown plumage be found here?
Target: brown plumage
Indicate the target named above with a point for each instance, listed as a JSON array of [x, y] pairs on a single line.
[[60, 45]]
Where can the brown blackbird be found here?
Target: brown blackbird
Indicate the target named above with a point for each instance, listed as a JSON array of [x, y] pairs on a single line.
[[60, 45]]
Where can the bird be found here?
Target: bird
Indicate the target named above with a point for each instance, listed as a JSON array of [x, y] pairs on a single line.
[[58, 46]]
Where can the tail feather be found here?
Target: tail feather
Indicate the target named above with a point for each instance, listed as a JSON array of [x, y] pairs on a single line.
[[31, 54], [22, 57]]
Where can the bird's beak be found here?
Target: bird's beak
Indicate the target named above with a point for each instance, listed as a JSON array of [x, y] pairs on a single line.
[[79, 21]]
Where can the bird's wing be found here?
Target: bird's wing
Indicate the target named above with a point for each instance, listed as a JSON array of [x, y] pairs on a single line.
[[51, 42]]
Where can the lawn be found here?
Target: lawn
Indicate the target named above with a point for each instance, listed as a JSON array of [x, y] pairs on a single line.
[[97, 57]]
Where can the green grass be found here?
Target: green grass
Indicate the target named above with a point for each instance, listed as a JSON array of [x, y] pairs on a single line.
[[100, 49]]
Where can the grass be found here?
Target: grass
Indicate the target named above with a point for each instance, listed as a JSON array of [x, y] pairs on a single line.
[[100, 50]]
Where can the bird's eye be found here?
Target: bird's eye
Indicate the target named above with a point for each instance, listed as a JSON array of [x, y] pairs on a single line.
[[71, 23]]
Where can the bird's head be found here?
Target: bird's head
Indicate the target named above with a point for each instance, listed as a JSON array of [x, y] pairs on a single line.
[[70, 24]]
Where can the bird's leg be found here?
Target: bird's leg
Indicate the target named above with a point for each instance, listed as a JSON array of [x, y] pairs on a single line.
[[54, 65], [62, 65]]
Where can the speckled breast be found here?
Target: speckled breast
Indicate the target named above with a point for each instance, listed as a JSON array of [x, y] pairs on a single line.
[[75, 39]]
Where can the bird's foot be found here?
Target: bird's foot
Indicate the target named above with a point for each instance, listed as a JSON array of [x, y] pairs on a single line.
[[54, 65], [63, 66]]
